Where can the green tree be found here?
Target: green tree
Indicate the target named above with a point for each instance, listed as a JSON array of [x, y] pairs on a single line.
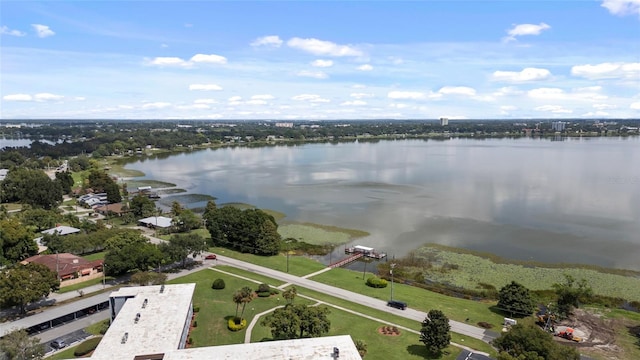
[[247, 297], [362, 347], [290, 294], [435, 331], [186, 221], [18, 345], [571, 294], [296, 321], [31, 187], [189, 244], [144, 278], [529, 342], [122, 239], [516, 299], [40, 219], [142, 206], [24, 284], [135, 256], [16, 242], [65, 180], [176, 208], [100, 181]]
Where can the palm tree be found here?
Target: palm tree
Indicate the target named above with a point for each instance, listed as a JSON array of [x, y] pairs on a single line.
[[290, 294], [246, 294], [238, 299]]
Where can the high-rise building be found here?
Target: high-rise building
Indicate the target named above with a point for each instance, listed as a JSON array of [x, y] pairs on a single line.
[[444, 121], [558, 125]]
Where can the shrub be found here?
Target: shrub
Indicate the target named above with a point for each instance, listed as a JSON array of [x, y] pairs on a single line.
[[264, 293], [274, 292], [218, 284], [485, 325], [263, 288], [190, 341], [376, 282], [87, 346], [231, 324], [196, 309], [195, 323]]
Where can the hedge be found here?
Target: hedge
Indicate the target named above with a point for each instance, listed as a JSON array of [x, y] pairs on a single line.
[[231, 324], [264, 294], [376, 282], [263, 288], [218, 284], [87, 346]]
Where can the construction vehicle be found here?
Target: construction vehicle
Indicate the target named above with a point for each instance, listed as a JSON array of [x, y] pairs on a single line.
[[546, 320], [568, 333]]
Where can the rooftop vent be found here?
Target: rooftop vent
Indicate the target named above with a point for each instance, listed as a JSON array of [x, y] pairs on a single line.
[[161, 289], [137, 318], [144, 303], [336, 353], [124, 338]]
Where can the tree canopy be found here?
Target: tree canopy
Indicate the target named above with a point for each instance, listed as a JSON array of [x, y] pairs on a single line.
[[16, 242], [141, 206], [435, 331], [18, 345], [23, 284], [529, 342], [297, 321], [515, 299], [29, 186], [571, 294], [252, 231]]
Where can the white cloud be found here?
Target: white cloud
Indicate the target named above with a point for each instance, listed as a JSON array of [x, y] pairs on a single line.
[[525, 29], [358, 86], [556, 109], [527, 74], [546, 93], [321, 47], [47, 97], [603, 106], [193, 107], [311, 98], [156, 105], [263, 97], [507, 91], [164, 46], [354, 103], [508, 108], [205, 87], [210, 59], [361, 95], [457, 90], [322, 63], [635, 105], [79, 98], [235, 98], [622, 7], [412, 95], [596, 113], [169, 61], [256, 102], [312, 74], [607, 70], [270, 40], [17, 97], [42, 31], [365, 67], [4, 30], [205, 101]]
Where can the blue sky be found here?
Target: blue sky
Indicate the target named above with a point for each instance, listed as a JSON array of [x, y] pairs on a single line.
[[320, 60]]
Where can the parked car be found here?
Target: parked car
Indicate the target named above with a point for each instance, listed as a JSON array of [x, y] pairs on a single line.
[[211, 257], [397, 304], [58, 344]]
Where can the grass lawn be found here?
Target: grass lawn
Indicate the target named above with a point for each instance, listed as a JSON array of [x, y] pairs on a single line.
[[96, 256], [250, 275], [217, 334], [94, 329], [420, 299], [216, 307], [82, 285], [319, 234], [298, 265], [65, 354]]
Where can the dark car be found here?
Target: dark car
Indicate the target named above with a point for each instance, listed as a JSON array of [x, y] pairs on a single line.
[[397, 304], [58, 344], [211, 257]]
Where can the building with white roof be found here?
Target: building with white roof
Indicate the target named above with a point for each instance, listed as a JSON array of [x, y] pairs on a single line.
[[152, 323], [156, 221]]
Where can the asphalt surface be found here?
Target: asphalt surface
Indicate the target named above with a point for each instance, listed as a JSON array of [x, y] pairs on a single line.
[[468, 355]]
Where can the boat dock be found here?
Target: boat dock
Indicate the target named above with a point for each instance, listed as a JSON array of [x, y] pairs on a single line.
[[365, 251], [346, 261]]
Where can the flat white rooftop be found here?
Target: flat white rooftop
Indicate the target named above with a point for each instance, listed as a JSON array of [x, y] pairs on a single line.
[[160, 325], [157, 221], [299, 349]]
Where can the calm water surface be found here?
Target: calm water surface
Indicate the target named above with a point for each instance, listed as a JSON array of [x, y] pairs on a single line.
[[575, 201]]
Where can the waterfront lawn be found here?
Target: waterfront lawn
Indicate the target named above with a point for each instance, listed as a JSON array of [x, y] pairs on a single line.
[[417, 298], [216, 307], [298, 265], [317, 234], [404, 346]]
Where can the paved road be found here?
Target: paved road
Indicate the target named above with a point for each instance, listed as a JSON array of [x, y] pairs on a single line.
[[409, 313]]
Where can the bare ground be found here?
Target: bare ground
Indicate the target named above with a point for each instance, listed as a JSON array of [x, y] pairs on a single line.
[[598, 333]]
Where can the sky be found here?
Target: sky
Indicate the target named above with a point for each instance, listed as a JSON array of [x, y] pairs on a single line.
[[320, 60]]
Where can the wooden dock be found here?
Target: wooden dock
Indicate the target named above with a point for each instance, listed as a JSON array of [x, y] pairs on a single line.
[[346, 261]]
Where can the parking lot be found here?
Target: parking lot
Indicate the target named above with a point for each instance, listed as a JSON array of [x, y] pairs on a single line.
[[71, 339]]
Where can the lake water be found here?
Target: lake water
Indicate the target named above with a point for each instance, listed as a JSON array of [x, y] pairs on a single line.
[[574, 201]]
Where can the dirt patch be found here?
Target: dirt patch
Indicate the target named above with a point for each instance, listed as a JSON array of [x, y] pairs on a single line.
[[598, 334], [389, 331]]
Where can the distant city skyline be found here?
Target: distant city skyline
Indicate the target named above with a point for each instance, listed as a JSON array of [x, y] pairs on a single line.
[[320, 60]]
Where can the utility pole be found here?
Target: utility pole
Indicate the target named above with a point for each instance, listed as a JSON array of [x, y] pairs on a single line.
[[393, 265]]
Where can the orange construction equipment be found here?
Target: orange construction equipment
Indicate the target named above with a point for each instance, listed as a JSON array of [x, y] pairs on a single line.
[[568, 334]]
